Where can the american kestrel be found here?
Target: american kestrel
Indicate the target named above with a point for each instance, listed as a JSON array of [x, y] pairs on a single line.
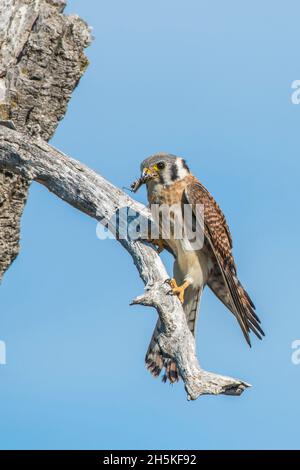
[[170, 182]]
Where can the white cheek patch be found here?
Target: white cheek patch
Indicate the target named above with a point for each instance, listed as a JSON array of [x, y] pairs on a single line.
[[182, 171], [167, 180], [168, 176]]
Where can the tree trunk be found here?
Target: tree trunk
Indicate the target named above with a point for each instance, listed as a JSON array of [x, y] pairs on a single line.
[[41, 62]]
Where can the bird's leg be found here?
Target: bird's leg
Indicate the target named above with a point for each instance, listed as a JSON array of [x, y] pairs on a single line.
[[179, 290]]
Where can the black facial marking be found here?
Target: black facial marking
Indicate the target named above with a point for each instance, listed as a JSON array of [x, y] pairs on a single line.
[[174, 172], [161, 178], [184, 165]]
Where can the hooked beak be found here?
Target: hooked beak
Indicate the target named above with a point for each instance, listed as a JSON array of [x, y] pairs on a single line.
[[148, 174]]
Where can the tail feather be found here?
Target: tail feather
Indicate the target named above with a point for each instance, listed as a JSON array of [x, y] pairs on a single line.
[[171, 372], [230, 291], [245, 315], [155, 361]]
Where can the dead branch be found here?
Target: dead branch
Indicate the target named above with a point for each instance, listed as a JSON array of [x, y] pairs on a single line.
[[87, 191]]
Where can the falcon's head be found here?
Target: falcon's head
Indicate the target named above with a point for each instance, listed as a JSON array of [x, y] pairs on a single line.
[[161, 168]]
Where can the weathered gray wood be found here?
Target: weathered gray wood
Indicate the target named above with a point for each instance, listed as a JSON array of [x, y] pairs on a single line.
[[41, 62], [89, 192]]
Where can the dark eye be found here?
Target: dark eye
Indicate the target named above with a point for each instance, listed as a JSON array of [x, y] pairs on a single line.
[[161, 165]]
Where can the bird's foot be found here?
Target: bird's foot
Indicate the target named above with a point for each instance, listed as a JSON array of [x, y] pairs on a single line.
[[179, 290], [157, 242]]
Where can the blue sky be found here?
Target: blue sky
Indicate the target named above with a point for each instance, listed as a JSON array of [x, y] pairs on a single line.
[[210, 81]]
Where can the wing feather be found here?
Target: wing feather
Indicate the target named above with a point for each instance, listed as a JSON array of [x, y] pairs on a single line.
[[218, 238]]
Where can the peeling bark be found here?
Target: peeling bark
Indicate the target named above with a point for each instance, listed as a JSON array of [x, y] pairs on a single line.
[[41, 62]]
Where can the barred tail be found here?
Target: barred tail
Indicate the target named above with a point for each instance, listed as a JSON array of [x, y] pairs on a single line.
[[230, 291], [155, 361]]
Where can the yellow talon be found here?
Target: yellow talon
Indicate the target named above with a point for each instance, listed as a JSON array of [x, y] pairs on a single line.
[[160, 245], [179, 290]]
